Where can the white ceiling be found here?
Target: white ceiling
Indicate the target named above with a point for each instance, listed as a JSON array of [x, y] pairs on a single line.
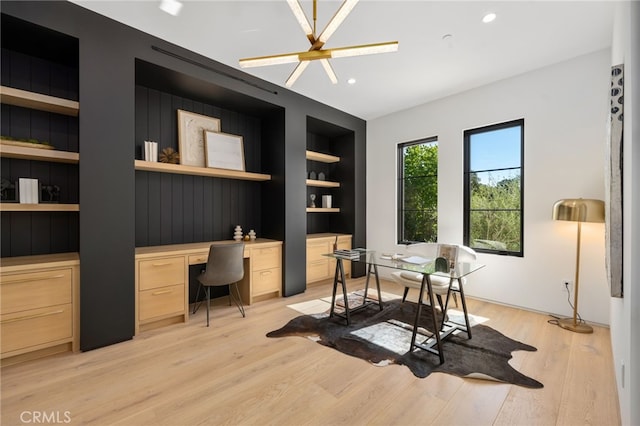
[[525, 36]]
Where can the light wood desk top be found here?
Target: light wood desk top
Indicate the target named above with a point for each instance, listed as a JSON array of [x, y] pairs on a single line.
[[199, 248], [40, 261]]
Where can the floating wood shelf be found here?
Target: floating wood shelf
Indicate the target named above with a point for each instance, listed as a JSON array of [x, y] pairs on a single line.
[[38, 154], [149, 166], [323, 183], [323, 158], [23, 98], [19, 207], [322, 210]]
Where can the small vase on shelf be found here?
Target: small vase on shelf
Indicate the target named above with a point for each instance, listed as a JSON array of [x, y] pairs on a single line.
[[237, 233]]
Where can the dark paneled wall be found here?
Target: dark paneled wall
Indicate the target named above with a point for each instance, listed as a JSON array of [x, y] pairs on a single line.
[[28, 65], [174, 209]]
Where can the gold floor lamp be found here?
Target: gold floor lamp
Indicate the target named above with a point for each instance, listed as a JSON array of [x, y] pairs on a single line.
[[578, 210]]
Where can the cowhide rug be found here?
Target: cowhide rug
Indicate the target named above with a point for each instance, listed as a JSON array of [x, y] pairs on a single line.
[[383, 337]]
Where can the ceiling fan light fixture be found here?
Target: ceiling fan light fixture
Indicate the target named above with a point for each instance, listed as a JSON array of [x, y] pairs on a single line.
[[316, 52]]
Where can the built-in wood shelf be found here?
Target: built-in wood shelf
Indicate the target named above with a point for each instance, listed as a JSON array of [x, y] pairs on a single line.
[[322, 210], [25, 99], [38, 154], [323, 183], [149, 166], [20, 207], [323, 158]]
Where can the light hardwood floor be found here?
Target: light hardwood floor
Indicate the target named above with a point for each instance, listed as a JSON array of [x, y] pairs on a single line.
[[232, 374]]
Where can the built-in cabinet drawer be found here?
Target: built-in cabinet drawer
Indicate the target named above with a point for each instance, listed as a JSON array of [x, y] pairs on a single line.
[[161, 272], [36, 327], [33, 290], [38, 306], [317, 249], [161, 302], [197, 259], [266, 281], [318, 270], [266, 271], [265, 258], [161, 296]]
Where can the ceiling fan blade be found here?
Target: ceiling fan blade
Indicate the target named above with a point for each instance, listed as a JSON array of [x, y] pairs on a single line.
[[335, 22], [302, 19], [329, 70], [312, 55], [299, 69]]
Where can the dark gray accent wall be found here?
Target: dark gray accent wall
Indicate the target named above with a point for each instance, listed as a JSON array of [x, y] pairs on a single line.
[[119, 67]]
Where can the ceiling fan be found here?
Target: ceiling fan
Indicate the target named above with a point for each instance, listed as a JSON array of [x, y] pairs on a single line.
[[316, 52]]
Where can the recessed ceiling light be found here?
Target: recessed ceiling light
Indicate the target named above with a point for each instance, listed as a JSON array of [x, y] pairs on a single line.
[[172, 7], [489, 17], [351, 81]]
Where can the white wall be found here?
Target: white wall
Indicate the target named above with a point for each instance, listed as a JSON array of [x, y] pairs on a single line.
[[625, 312], [565, 108]]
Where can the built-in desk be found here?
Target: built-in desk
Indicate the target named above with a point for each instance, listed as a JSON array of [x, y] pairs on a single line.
[[162, 279]]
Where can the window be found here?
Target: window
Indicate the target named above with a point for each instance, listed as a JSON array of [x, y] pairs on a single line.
[[418, 191], [493, 188]]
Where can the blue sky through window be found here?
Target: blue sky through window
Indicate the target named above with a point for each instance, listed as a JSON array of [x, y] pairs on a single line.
[[496, 149]]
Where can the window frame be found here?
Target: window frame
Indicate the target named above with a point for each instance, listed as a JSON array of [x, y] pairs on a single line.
[[467, 184], [400, 208]]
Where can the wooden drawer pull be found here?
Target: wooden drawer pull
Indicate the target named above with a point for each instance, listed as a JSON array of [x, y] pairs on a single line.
[[265, 273], [28, 317], [26, 280], [161, 264], [158, 293]]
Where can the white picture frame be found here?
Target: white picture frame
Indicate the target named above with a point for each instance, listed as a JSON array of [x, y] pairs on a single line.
[[224, 151], [191, 128]]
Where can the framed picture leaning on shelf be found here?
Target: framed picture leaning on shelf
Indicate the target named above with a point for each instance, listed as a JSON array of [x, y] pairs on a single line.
[[191, 128], [224, 151]]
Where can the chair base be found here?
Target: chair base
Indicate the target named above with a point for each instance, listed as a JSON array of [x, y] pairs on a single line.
[[236, 298]]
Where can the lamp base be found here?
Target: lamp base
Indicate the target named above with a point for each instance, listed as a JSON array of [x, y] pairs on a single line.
[[567, 323]]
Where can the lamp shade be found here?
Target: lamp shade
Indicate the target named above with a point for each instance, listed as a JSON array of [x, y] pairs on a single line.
[[579, 210]]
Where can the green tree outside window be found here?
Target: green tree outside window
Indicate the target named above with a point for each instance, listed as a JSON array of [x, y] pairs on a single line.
[[418, 191]]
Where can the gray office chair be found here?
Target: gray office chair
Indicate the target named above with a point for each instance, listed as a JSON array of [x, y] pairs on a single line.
[[225, 267]]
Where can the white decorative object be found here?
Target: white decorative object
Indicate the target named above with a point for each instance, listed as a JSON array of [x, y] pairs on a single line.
[[237, 233], [223, 151], [151, 151], [28, 191], [313, 200], [252, 235], [326, 201]]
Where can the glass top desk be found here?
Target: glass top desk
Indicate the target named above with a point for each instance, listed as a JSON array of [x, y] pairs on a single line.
[[375, 259]]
